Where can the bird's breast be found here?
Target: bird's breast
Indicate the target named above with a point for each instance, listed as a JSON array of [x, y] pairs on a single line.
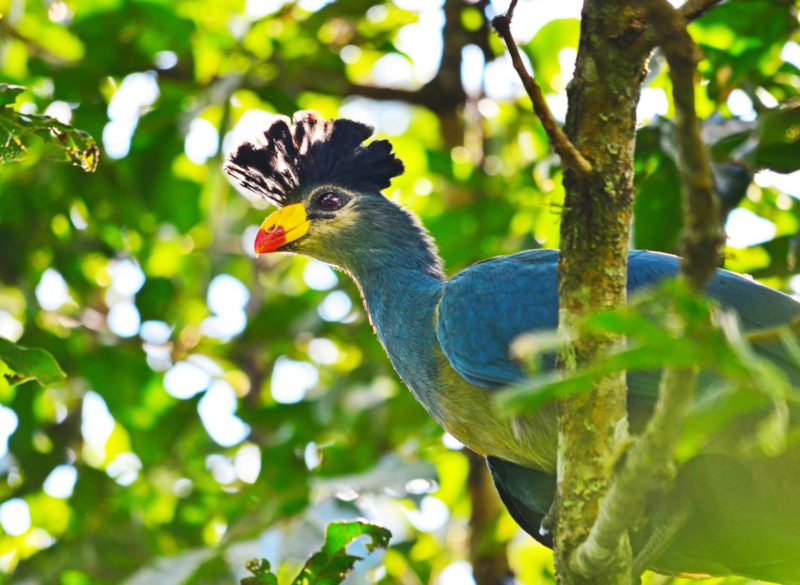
[[469, 414]]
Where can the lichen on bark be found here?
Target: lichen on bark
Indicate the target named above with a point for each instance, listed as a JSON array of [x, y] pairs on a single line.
[[595, 234]]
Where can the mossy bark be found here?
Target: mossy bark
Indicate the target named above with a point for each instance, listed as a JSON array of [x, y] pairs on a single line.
[[595, 234]]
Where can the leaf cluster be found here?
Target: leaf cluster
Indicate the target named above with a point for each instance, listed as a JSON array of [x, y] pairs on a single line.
[[77, 147]]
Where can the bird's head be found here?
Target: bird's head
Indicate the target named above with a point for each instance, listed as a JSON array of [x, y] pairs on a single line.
[[325, 181]]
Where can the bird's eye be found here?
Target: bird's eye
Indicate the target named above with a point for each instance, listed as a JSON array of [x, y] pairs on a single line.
[[331, 201]]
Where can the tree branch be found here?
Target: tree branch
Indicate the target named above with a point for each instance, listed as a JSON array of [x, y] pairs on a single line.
[[7, 29], [702, 238], [569, 154], [649, 459], [443, 95], [770, 334], [694, 9], [433, 100]]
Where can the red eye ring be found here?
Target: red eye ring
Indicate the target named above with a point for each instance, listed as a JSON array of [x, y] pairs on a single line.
[[331, 201]]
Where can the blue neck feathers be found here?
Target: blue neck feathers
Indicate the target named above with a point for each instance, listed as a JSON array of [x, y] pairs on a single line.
[[401, 280]]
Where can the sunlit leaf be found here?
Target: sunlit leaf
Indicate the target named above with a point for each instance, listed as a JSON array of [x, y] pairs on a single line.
[[330, 565], [545, 49], [29, 364], [16, 130]]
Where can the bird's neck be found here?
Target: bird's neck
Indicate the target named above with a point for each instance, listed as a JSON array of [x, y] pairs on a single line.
[[401, 304], [401, 280], [396, 256], [393, 241], [399, 299]]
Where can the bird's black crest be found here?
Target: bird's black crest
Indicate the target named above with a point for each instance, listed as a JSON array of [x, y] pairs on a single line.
[[311, 150]]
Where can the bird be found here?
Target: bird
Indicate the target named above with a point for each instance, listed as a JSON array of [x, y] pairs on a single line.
[[448, 340]]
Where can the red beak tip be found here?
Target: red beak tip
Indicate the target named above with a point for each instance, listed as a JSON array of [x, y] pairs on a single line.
[[261, 238], [269, 241]]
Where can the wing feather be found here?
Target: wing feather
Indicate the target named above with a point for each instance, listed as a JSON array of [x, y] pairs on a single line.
[[490, 303]]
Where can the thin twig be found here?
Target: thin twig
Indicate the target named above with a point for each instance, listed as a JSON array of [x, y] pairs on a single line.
[[694, 9], [773, 333], [569, 154], [648, 461]]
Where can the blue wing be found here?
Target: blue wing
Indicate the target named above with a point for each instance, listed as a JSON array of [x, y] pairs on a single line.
[[490, 303]]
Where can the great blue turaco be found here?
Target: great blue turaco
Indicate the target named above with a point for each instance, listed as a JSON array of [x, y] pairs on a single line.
[[448, 339]]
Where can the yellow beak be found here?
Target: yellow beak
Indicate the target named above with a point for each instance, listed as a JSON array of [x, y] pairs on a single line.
[[285, 225]]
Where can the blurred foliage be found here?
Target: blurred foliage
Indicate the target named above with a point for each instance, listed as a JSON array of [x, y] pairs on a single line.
[[219, 408]]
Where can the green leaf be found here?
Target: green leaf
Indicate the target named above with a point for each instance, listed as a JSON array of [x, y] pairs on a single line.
[[76, 146], [262, 575], [330, 565], [29, 364], [654, 342], [9, 93]]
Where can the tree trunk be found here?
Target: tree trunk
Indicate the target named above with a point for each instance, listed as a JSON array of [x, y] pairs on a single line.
[[595, 233]]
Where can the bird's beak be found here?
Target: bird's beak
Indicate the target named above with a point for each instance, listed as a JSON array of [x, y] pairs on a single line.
[[285, 225]]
